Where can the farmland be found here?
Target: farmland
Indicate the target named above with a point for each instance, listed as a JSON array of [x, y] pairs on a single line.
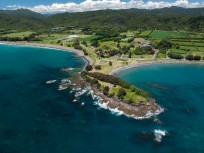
[[184, 43]]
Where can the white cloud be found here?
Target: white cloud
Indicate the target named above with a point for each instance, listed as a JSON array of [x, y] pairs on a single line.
[[90, 5]]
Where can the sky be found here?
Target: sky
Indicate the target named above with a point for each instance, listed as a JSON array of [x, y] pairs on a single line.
[[56, 6]]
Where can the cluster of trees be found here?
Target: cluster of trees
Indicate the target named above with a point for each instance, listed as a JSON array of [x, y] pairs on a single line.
[[188, 57], [144, 50], [76, 44], [89, 67], [115, 81], [191, 57], [26, 38], [164, 45], [110, 79], [175, 56]]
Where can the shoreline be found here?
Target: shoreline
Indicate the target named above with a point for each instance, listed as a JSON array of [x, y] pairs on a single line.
[[49, 46], [145, 63], [119, 107], [140, 111]]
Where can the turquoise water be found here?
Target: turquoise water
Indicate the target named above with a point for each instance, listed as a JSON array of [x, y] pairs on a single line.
[[37, 118]]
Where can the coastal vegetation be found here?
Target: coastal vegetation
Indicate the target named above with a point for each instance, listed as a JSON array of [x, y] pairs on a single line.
[[112, 86]]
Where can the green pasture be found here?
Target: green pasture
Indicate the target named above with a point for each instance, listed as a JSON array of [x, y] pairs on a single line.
[[199, 44], [160, 34], [19, 34], [190, 48], [201, 49], [89, 38], [145, 33], [178, 51], [107, 45]]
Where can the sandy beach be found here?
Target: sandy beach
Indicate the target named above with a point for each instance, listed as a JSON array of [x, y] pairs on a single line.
[[68, 49], [161, 61]]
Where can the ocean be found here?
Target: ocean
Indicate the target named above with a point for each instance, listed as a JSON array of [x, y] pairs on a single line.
[[36, 117]]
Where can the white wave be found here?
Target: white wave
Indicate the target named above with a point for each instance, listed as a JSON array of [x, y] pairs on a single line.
[[63, 81], [158, 134], [80, 92], [62, 87], [118, 112], [75, 100], [51, 81], [67, 69]]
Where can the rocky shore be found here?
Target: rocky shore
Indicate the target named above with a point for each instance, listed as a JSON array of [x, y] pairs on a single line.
[[141, 110]]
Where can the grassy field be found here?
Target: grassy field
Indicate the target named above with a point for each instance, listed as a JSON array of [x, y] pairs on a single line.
[[145, 33], [129, 95], [190, 48], [19, 34], [160, 34], [178, 51], [201, 49], [89, 38], [107, 45]]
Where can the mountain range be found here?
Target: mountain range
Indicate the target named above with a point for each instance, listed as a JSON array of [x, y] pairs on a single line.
[[164, 18]]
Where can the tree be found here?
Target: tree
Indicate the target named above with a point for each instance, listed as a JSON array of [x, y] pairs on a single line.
[[130, 54], [85, 52], [110, 63], [98, 67], [164, 44], [174, 55], [106, 90], [95, 43], [189, 57], [89, 67], [76, 42], [197, 58], [139, 51], [121, 93], [125, 49], [84, 43]]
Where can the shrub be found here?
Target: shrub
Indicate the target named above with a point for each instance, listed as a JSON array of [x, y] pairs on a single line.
[[76, 42], [84, 43], [98, 85], [98, 67], [110, 63], [77, 47], [121, 93], [95, 43], [89, 67], [131, 100], [132, 88], [85, 52], [130, 54], [106, 88], [111, 94]]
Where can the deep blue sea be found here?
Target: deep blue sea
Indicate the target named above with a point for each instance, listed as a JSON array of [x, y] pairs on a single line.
[[35, 117]]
